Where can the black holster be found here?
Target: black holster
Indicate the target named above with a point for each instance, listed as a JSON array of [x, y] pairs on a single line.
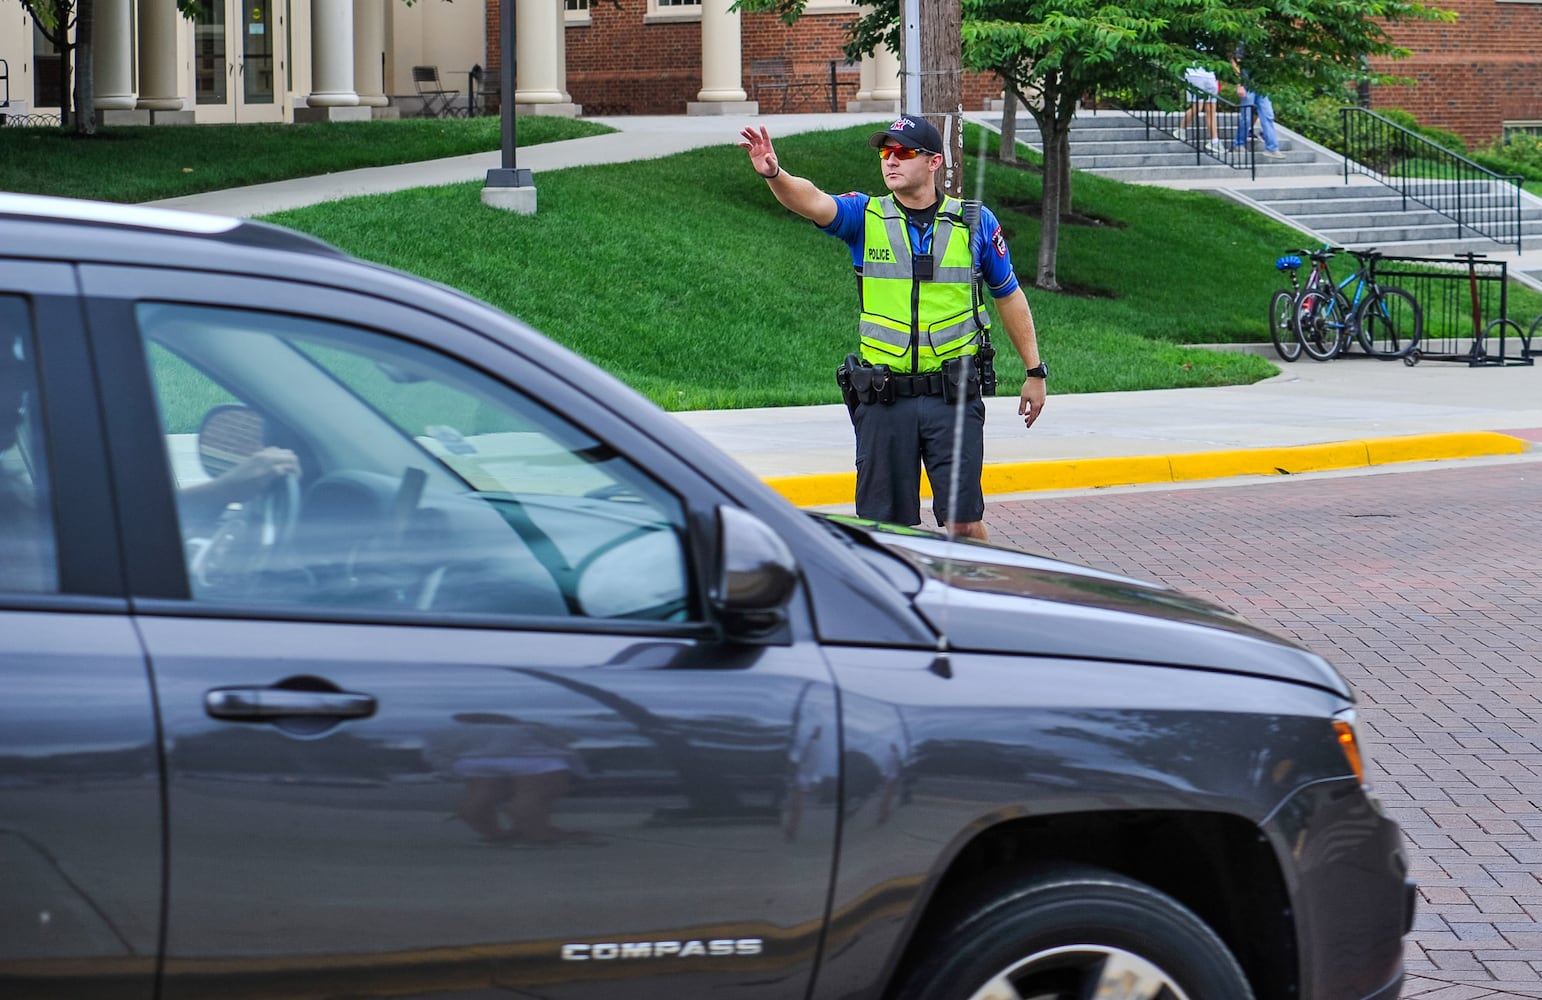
[[861, 382], [986, 356], [960, 377], [843, 379]]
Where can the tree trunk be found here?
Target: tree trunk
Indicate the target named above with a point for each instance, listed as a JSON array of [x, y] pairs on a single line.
[[1055, 134], [942, 94], [1065, 172], [1007, 153], [85, 76], [66, 95]]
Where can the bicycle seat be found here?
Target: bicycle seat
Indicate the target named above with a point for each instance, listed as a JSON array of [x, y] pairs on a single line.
[[1289, 262]]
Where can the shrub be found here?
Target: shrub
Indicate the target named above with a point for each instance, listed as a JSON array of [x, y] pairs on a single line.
[[1519, 154]]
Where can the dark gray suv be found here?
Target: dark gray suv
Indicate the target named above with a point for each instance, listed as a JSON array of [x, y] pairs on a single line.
[[356, 640]]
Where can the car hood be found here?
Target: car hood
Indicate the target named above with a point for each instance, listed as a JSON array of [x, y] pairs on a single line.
[[995, 600]]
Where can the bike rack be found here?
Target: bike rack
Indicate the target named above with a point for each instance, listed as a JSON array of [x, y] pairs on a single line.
[[1466, 310]]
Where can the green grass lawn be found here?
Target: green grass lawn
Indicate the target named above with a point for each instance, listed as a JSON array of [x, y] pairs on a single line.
[[147, 163], [684, 277]]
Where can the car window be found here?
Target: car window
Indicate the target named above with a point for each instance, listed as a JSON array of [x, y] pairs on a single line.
[[324, 465], [27, 561]]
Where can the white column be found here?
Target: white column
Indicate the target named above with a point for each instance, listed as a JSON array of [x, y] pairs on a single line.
[[864, 81], [879, 89], [369, 51], [114, 71], [158, 30], [332, 55], [886, 76], [541, 36], [722, 59]]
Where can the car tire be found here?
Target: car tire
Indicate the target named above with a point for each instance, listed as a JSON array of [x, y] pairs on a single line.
[[1066, 933]]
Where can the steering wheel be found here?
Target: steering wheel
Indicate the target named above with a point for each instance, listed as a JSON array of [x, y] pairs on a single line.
[[247, 537]]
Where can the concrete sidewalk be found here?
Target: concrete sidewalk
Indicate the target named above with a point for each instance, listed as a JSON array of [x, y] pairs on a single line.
[[1353, 412]]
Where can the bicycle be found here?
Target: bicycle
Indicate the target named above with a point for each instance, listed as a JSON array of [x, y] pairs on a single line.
[[1282, 311], [1385, 320]]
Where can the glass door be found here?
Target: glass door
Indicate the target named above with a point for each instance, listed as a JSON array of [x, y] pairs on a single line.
[[238, 50], [261, 26]]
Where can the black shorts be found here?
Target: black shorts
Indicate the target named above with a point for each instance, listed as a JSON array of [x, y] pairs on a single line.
[[893, 441]]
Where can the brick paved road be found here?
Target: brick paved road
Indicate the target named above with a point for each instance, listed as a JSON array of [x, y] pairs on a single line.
[[1425, 588]]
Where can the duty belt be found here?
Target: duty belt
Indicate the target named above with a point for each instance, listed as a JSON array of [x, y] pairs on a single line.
[[927, 384]]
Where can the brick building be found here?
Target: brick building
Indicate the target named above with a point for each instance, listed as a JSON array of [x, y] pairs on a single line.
[[1478, 77], [645, 57]]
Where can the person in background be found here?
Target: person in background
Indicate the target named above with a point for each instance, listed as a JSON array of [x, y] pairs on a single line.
[[1203, 89], [1254, 103]]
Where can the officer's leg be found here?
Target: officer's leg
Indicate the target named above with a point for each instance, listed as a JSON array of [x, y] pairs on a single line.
[[888, 461], [937, 435]]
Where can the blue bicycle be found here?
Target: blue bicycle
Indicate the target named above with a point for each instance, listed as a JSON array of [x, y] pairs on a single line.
[[1385, 320]]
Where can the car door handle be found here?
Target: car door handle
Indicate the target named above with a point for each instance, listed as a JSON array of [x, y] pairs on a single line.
[[279, 703]]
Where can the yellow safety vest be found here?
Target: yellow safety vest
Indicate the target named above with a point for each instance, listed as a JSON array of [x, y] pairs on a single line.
[[906, 323]]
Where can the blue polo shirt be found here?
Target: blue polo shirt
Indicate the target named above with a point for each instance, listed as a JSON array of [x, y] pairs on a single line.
[[990, 247]]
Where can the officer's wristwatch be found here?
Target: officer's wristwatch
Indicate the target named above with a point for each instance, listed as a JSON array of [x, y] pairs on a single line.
[[1041, 370]]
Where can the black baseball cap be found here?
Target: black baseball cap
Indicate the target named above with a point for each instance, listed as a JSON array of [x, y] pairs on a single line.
[[917, 133]]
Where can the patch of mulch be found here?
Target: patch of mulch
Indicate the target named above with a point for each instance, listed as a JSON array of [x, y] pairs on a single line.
[[1035, 210], [1074, 289]]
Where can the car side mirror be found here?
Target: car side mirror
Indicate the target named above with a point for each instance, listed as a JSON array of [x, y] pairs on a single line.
[[229, 434], [756, 577]]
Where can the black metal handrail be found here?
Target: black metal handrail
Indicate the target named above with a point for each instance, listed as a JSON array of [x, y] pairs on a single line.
[[1467, 193], [1227, 114]]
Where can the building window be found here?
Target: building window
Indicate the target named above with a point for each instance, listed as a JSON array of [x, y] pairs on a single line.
[[1522, 128], [46, 64], [673, 10], [575, 11]]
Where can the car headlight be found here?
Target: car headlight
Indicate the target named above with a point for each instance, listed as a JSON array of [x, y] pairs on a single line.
[[1349, 742]]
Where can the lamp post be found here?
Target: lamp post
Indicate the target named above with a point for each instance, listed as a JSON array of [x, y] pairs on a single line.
[[508, 186]]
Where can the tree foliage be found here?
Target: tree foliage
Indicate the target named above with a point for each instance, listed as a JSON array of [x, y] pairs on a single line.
[[1053, 53]]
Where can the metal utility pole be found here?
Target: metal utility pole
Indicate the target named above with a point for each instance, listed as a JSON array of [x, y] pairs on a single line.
[[933, 71], [508, 187]]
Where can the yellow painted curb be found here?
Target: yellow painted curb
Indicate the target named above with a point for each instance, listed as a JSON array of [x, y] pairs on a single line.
[[1075, 473], [1268, 461], [835, 488], [1429, 447]]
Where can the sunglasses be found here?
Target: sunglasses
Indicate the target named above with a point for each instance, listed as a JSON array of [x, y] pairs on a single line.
[[898, 152]]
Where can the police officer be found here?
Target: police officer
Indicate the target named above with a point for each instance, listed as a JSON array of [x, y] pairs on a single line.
[[914, 254]]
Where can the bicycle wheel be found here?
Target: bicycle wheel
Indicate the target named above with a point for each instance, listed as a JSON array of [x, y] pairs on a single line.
[[1281, 308], [1320, 319], [1389, 323]]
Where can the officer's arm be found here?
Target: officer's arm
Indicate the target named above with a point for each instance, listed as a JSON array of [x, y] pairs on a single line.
[[1018, 320], [800, 195], [795, 193]]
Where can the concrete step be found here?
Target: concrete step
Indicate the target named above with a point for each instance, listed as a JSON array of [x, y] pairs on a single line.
[[1216, 170], [1096, 157], [1443, 248], [1397, 233]]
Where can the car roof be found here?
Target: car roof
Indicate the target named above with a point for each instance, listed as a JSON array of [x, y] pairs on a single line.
[[142, 219]]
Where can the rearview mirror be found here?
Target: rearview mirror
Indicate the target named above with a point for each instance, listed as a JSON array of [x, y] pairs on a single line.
[[756, 577]]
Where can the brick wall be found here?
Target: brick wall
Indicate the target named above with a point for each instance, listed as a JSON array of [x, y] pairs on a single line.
[[618, 65], [1473, 75], [1470, 76]]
